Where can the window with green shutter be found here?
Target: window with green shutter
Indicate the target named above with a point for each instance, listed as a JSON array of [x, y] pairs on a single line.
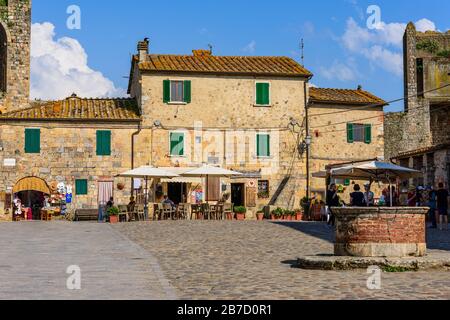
[[176, 144], [103, 143], [359, 133], [263, 145], [368, 133], [32, 140], [262, 94], [81, 187], [177, 91], [350, 133]]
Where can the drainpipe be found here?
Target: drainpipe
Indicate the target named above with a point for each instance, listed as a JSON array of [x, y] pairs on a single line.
[[308, 147], [132, 152]]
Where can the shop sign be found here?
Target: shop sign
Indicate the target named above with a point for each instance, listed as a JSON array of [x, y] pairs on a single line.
[[68, 198], [9, 162]]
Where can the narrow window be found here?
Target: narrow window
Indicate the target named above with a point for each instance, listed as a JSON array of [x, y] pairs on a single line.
[[176, 91], [176, 144], [262, 145], [81, 187], [103, 143], [262, 94], [3, 59], [32, 140]]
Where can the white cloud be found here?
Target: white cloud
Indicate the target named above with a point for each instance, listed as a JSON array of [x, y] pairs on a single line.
[[59, 67], [339, 71], [250, 48], [383, 45]]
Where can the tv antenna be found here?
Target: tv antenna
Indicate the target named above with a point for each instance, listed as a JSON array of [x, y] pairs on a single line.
[[210, 48], [302, 48]]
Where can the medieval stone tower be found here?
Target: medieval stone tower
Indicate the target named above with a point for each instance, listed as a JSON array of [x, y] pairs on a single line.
[[15, 36]]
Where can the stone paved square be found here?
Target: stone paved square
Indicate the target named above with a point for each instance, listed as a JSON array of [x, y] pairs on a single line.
[[192, 260]]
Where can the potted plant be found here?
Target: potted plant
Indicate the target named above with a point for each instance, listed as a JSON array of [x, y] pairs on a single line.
[[287, 215], [260, 215], [277, 214], [298, 213], [113, 214], [240, 213]]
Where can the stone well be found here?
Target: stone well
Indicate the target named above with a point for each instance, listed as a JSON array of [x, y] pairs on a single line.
[[380, 232]]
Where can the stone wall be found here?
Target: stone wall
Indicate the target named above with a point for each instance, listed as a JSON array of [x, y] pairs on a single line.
[[16, 20], [329, 140], [385, 232], [222, 116], [68, 152]]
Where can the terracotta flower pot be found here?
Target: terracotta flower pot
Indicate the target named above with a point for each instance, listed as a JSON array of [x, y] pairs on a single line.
[[240, 216], [229, 216], [260, 216], [113, 219], [298, 216]]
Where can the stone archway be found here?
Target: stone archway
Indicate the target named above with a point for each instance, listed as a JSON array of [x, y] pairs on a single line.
[[31, 192]]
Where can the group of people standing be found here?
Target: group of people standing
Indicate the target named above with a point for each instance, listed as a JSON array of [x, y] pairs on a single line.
[[436, 200]]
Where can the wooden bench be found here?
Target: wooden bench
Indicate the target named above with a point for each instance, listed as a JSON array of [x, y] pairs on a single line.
[[86, 215]]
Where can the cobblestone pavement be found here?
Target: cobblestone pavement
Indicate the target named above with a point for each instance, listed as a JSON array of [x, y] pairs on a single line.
[[34, 257], [253, 260]]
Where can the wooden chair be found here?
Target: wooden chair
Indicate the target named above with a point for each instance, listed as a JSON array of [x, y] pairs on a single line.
[[219, 211], [182, 212], [227, 209], [140, 209], [168, 212], [206, 210], [196, 212], [123, 213]]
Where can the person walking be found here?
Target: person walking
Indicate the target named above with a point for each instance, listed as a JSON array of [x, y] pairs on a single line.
[[432, 205], [332, 201], [442, 206]]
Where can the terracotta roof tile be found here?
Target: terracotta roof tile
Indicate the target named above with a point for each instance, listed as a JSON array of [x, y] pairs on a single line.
[[343, 96], [207, 63], [75, 108]]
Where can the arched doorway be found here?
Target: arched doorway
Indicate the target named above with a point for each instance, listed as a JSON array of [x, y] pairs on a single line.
[[31, 191]]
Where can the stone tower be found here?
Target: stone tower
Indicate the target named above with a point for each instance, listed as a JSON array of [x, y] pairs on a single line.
[[15, 37]]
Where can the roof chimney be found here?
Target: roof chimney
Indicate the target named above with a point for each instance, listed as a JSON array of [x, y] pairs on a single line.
[[142, 48], [359, 87]]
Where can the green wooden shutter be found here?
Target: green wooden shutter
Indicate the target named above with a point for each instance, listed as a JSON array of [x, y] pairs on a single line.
[[176, 144], [187, 91], [262, 94], [103, 143], [32, 140], [350, 138], [166, 91], [368, 133], [263, 145], [347, 182], [81, 187]]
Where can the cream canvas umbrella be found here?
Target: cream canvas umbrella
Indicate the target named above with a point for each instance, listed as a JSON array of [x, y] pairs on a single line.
[[147, 173], [210, 171], [375, 171]]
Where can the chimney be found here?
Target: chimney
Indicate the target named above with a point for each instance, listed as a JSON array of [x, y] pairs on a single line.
[[359, 87], [142, 48]]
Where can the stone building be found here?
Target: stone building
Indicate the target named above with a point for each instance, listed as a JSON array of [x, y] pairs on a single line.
[[242, 113], [230, 111], [15, 26], [419, 137], [345, 125]]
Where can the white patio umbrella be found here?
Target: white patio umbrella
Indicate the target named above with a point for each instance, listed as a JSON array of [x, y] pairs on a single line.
[[375, 171], [147, 173], [207, 171]]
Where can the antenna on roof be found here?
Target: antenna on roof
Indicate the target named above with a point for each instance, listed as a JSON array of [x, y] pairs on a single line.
[[210, 48], [302, 48]]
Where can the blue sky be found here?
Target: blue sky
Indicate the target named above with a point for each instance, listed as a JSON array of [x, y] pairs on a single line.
[[340, 50]]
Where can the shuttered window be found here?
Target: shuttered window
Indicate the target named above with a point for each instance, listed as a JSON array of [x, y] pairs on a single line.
[[176, 144], [81, 187], [359, 133], [103, 143], [263, 145], [32, 140], [177, 91], [262, 94]]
